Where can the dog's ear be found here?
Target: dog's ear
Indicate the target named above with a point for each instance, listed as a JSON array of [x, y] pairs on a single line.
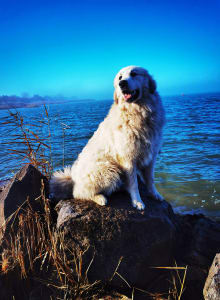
[[115, 97], [152, 85]]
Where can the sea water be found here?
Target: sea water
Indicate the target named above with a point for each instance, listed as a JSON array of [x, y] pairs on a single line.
[[188, 167]]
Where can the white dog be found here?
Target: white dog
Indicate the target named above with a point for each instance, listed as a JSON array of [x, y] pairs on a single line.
[[125, 144]]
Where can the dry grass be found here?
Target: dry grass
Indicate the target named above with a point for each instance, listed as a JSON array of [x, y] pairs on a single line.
[[175, 292], [35, 250], [27, 142], [177, 283]]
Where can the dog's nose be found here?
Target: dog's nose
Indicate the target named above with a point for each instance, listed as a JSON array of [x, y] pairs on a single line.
[[123, 84]]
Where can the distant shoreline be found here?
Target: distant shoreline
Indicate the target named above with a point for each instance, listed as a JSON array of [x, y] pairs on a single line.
[[2, 107], [6, 106], [29, 105], [15, 102]]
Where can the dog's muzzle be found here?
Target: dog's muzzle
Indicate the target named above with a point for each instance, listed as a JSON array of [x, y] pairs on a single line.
[[129, 95]]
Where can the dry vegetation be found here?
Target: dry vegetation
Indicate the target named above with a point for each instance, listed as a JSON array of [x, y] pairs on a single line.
[[35, 250], [27, 142]]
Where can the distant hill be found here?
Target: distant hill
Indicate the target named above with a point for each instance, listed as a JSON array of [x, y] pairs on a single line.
[[8, 102]]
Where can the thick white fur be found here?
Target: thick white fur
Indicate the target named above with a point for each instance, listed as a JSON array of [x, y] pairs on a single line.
[[125, 144]]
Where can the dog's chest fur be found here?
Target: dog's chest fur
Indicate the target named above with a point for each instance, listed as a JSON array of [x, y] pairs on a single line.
[[133, 132]]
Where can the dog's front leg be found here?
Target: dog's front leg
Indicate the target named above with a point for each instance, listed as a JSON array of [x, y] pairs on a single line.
[[132, 188]]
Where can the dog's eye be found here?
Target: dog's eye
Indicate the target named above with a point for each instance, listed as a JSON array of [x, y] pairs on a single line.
[[120, 78], [133, 74]]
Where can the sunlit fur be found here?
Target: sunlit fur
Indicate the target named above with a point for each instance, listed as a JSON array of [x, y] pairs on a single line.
[[125, 144]]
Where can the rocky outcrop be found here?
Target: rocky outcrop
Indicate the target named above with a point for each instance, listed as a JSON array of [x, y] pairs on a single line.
[[155, 237], [198, 243], [121, 245], [212, 286], [3, 184], [118, 232], [25, 186]]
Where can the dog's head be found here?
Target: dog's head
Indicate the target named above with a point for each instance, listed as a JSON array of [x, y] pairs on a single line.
[[132, 84]]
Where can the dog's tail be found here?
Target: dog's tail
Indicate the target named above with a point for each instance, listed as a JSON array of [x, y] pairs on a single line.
[[61, 184]]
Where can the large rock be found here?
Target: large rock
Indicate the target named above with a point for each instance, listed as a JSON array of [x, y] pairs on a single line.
[[26, 184], [155, 237], [3, 184], [199, 239], [198, 242], [119, 237], [144, 239], [212, 286]]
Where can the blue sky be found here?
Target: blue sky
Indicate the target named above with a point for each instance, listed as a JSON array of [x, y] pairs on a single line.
[[75, 48]]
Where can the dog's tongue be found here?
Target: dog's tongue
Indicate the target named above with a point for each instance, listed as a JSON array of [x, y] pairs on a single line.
[[127, 96]]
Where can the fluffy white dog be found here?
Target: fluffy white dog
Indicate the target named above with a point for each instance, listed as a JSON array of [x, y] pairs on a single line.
[[125, 144]]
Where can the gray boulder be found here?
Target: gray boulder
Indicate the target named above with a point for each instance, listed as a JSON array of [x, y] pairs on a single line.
[[155, 237], [197, 244], [119, 240], [212, 286], [118, 232], [25, 185]]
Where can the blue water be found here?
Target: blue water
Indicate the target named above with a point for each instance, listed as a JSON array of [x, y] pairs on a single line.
[[188, 167]]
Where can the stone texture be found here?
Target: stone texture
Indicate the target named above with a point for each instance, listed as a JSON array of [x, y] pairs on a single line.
[[141, 239], [3, 184], [212, 286], [26, 184], [144, 239], [5, 294], [200, 239], [198, 242], [155, 237]]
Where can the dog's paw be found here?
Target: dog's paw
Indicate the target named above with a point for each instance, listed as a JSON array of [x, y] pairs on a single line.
[[139, 204], [157, 196], [100, 199]]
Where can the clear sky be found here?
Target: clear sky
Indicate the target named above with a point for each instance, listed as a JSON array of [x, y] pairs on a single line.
[[75, 48]]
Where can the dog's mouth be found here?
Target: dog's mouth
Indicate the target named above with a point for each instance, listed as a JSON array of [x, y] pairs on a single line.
[[130, 96]]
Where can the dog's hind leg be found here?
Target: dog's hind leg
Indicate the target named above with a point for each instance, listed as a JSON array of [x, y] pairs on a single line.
[[148, 177], [132, 188]]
